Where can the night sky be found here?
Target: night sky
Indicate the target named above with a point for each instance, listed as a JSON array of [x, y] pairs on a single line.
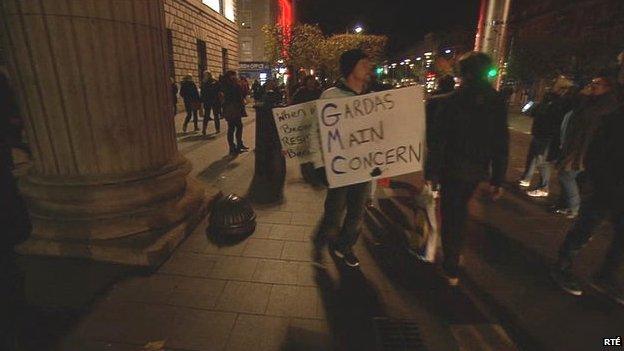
[[403, 21]]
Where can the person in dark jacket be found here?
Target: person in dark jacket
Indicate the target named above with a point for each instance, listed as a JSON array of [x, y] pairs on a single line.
[[603, 191], [256, 90], [233, 106], [174, 96], [468, 136], [210, 100], [598, 99], [188, 92], [547, 118], [308, 92]]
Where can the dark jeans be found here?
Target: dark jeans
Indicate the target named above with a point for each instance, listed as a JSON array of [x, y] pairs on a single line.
[[190, 113], [536, 159], [216, 115], [594, 209], [335, 224], [235, 127], [570, 195], [454, 197]]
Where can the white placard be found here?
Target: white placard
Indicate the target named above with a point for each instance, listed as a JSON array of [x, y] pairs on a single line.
[[294, 124], [377, 135]]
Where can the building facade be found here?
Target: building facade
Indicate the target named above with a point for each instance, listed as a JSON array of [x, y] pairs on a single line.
[[107, 181], [253, 16], [586, 34], [201, 35]]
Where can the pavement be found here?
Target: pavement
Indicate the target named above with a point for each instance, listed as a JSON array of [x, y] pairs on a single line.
[[510, 245], [262, 293]]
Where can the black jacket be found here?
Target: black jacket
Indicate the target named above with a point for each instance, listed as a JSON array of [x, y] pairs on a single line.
[[467, 136], [548, 115], [605, 154], [210, 92], [304, 95], [188, 91]]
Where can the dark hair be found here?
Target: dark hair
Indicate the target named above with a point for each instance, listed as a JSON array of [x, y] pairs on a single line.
[[474, 66], [229, 74], [349, 59]]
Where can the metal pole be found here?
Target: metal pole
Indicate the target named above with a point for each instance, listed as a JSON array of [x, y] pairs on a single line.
[[502, 42], [480, 26]]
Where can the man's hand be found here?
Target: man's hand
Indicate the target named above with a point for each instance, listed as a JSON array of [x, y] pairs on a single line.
[[496, 192]]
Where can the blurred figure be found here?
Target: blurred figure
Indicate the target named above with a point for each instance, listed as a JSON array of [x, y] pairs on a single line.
[[446, 84], [308, 91], [578, 130], [14, 219], [344, 206], [210, 99], [547, 118], [468, 143], [244, 84], [174, 95], [256, 90], [190, 95], [600, 155], [233, 106]]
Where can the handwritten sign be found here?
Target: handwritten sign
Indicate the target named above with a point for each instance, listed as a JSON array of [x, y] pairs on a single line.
[[294, 126], [374, 135]]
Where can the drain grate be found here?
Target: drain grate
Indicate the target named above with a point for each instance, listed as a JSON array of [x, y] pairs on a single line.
[[397, 335]]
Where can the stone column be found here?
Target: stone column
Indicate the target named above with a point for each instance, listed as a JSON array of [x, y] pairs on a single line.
[[107, 181]]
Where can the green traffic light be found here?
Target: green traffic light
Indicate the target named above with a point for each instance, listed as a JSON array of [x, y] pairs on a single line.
[[492, 73]]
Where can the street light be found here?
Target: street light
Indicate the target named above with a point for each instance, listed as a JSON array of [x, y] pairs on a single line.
[[358, 29]]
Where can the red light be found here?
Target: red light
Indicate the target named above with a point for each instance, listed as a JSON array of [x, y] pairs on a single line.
[[285, 20]]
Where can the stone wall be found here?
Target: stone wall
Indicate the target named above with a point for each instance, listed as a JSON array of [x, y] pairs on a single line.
[[190, 20]]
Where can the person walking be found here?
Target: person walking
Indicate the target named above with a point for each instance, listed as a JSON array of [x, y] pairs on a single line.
[[343, 229], [210, 100], [578, 129], [232, 111], [547, 120], [603, 191], [190, 95], [468, 137]]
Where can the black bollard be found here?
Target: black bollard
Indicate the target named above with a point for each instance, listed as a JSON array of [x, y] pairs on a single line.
[[267, 185]]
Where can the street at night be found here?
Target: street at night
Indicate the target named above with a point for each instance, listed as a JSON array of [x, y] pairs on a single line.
[[199, 175]]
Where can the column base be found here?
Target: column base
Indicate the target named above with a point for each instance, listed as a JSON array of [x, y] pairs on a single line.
[[146, 249]]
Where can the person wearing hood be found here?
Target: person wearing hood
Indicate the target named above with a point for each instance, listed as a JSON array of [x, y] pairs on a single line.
[[468, 142], [343, 229], [210, 100], [190, 95]]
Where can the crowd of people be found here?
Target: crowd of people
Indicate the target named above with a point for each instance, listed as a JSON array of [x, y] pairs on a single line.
[[576, 131], [225, 97]]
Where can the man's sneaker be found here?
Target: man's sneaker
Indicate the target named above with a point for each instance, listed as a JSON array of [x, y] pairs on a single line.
[[538, 193], [567, 213], [524, 183], [610, 288], [566, 281], [347, 256], [243, 148]]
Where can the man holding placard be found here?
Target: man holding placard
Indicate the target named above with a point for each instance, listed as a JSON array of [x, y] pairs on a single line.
[[355, 68]]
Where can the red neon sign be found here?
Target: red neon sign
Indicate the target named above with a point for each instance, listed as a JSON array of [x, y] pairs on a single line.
[[285, 20]]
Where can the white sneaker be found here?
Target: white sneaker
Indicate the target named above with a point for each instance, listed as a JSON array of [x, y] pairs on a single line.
[[537, 193], [524, 183]]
